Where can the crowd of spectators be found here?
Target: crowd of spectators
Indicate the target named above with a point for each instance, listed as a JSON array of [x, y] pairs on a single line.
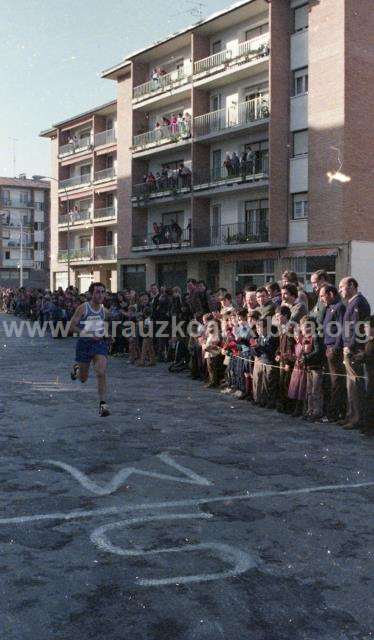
[[305, 355]]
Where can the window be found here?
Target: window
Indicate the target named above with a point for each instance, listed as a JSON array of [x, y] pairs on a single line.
[[85, 133], [216, 164], [109, 200], [256, 219], [215, 102], [301, 18], [305, 266], [85, 170], [300, 81], [109, 238], [109, 123], [256, 31], [254, 272], [300, 142], [173, 166], [216, 46], [216, 224], [7, 255], [300, 206], [109, 162], [174, 216], [85, 243], [133, 277], [259, 153]]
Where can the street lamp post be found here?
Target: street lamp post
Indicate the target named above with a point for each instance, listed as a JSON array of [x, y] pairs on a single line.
[[21, 255]]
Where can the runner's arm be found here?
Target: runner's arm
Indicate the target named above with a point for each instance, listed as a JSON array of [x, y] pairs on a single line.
[[74, 322]]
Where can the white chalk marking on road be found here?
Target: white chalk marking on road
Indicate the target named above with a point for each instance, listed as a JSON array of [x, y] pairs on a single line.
[[122, 476], [149, 506], [72, 515], [239, 560]]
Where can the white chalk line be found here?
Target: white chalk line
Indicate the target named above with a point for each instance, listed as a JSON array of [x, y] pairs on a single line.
[[240, 560], [149, 506], [190, 477]]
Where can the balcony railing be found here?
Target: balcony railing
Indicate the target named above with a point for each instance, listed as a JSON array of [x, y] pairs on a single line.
[[107, 252], [243, 171], [165, 238], [75, 216], [162, 187], [74, 147], [105, 174], [105, 137], [75, 181], [162, 135], [223, 119], [105, 212], [239, 233], [244, 52], [17, 204], [163, 83], [74, 255]]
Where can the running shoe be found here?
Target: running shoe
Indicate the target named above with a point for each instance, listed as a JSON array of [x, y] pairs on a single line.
[[104, 410], [74, 372]]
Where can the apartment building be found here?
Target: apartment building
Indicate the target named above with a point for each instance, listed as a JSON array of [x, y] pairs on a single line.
[[84, 199], [243, 147], [24, 223]]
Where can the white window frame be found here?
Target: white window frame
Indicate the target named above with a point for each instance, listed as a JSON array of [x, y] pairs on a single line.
[[299, 153], [300, 206], [301, 74]]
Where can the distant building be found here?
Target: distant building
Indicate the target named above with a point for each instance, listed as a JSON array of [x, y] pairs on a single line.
[[84, 199], [24, 218]]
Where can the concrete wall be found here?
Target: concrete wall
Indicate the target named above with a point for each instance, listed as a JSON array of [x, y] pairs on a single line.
[[124, 163], [362, 268]]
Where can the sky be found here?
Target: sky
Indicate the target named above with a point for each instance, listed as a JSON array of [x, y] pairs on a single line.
[[52, 53]]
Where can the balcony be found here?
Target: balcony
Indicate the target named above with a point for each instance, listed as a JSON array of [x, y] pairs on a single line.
[[107, 252], [75, 181], [247, 51], [74, 147], [105, 137], [164, 134], [162, 83], [75, 217], [17, 204], [217, 121], [105, 212], [162, 187], [250, 171], [105, 174], [239, 233], [75, 255], [165, 239]]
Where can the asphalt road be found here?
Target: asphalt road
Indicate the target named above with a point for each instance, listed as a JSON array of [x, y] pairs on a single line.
[[186, 515]]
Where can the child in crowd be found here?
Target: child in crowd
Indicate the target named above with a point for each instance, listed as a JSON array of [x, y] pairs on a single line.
[[285, 358], [264, 373], [212, 353], [147, 356], [297, 388]]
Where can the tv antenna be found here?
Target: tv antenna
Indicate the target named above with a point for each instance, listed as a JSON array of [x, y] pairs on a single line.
[[14, 140]]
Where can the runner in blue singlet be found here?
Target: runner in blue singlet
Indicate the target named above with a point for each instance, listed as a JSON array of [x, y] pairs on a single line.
[[92, 345]]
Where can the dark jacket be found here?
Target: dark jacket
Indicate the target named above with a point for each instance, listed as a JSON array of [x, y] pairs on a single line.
[[356, 313], [316, 358], [266, 348], [333, 325]]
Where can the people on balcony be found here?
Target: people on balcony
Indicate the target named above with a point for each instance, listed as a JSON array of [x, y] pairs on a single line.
[[167, 233], [249, 163], [166, 180]]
